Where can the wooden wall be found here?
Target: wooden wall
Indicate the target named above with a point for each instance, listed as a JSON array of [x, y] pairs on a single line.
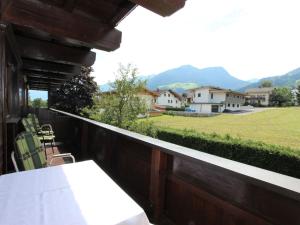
[[12, 91], [174, 188]]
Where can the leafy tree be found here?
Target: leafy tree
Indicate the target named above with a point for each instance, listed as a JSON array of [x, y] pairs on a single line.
[[266, 83], [281, 97], [38, 103], [76, 93], [121, 106]]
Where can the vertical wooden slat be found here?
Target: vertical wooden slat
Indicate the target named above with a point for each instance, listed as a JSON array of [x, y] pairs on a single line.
[[157, 182], [84, 140], [2, 100]]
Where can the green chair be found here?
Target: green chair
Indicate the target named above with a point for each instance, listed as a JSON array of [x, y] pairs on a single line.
[[30, 154], [43, 135], [45, 129]]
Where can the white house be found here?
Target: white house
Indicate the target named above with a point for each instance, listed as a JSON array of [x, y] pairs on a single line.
[[259, 96], [149, 97], [294, 95], [208, 99], [169, 98]]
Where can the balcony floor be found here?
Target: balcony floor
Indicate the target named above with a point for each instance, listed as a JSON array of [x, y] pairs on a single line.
[[54, 151]]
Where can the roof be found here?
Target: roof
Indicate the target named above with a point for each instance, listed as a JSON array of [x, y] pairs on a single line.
[[178, 96], [260, 90], [54, 38]]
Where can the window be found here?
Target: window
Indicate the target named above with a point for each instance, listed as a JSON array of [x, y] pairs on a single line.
[[199, 95], [168, 101], [176, 101], [233, 105], [228, 105], [238, 105], [171, 101], [227, 95], [165, 94], [212, 95], [168, 95]]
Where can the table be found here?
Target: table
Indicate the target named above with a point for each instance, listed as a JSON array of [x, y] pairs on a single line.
[[79, 193]]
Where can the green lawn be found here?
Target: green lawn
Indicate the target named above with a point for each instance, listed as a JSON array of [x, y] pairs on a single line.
[[279, 126]]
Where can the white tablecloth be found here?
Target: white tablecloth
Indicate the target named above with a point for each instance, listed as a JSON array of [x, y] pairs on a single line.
[[79, 193]]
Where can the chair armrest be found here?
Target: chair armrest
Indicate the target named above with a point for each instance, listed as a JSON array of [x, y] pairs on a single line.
[[47, 126], [64, 155]]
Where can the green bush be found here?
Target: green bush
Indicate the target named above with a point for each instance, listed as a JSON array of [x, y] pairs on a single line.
[[271, 157]]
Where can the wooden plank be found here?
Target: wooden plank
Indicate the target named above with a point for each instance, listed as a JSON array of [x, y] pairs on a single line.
[[43, 66], [62, 24], [2, 100], [46, 75], [48, 51], [161, 7], [157, 183]]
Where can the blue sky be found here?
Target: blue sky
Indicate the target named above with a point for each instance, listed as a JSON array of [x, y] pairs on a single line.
[[250, 38]]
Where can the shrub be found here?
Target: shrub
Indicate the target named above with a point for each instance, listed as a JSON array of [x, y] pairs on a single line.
[[275, 158], [145, 127]]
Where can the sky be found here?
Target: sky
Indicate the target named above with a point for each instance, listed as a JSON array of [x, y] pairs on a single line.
[[249, 38]]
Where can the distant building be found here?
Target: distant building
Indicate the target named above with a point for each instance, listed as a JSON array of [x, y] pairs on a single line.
[[149, 97], [294, 94], [209, 99], [169, 98], [259, 96]]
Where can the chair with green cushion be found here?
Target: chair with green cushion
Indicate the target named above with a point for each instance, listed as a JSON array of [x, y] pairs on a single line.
[[43, 136], [30, 154], [44, 129]]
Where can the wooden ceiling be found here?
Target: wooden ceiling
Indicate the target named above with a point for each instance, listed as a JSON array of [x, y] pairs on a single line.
[[54, 37]]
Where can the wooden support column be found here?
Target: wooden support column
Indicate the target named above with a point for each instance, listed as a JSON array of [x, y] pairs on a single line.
[[157, 182], [2, 100]]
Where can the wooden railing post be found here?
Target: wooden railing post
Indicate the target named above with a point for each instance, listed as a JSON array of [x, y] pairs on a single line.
[[157, 182]]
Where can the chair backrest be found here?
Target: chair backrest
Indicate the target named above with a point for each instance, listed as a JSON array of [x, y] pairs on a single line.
[[35, 121], [28, 125], [29, 151]]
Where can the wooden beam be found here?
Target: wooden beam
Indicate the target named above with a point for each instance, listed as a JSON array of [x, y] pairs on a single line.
[[161, 7], [62, 24], [48, 51], [46, 75], [43, 66]]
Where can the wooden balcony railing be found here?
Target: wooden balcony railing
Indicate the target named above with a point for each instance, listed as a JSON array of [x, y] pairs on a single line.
[[178, 185]]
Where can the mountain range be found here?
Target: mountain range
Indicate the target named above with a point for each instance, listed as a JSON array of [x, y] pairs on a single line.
[[187, 77]]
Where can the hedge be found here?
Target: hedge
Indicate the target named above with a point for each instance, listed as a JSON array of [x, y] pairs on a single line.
[[270, 157]]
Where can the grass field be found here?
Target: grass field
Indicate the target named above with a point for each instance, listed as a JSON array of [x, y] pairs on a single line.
[[280, 126]]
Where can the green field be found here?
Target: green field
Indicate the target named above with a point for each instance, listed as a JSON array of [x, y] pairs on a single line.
[[280, 126]]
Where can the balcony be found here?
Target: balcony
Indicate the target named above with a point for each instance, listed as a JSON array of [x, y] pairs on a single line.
[[178, 185]]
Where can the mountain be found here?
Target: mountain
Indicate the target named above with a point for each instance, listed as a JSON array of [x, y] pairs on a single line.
[[178, 87], [289, 79], [215, 76]]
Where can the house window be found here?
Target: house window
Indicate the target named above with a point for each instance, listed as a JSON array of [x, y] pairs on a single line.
[[238, 105], [228, 104], [171, 101], [165, 94], [168, 95], [199, 95], [212, 95], [227, 95], [233, 105], [168, 101], [176, 101]]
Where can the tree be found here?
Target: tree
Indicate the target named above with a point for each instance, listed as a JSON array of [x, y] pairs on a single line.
[[38, 103], [121, 106], [266, 83], [281, 97], [76, 93]]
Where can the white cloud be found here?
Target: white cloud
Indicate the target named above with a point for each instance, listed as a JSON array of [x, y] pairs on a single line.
[[250, 38]]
